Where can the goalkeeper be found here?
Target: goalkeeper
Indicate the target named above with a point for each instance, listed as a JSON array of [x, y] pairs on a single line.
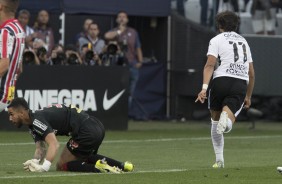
[[80, 152]]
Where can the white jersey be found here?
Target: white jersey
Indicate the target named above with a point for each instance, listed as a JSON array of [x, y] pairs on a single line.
[[233, 53]]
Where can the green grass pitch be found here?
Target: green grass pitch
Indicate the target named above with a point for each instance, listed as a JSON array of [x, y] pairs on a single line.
[[163, 153]]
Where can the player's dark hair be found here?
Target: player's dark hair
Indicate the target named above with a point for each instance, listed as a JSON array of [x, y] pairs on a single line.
[[10, 6], [19, 102], [228, 21]]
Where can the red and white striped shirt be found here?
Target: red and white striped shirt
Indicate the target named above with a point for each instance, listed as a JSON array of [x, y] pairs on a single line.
[[12, 43]]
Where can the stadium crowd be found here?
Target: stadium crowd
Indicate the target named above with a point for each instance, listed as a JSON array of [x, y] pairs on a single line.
[[89, 48], [263, 12]]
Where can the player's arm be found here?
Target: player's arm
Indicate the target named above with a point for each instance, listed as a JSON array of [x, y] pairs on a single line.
[[207, 74], [4, 60], [52, 150], [40, 150], [53, 146], [209, 68], [4, 66], [250, 85]]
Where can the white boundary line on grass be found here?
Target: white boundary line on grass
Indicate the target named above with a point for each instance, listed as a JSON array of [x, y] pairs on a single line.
[[160, 140], [87, 174]]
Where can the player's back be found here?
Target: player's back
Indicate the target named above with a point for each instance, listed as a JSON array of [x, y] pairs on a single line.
[[57, 116], [63, 119], [233, 53]]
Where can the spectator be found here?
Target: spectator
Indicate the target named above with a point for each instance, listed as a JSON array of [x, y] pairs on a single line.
[[36, 44], [246, 2], [30, 58], [84, 49], [41, 53], [112, 55], [204, 12], [44, 31], [129, 42], [263, 17], [95, 43], [23, 17], [88, 56], [228, 5], [72, 56], [58, 56], [83, 33]]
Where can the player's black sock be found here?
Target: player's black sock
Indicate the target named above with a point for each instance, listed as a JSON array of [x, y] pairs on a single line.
[[80, 166], [94, 158]]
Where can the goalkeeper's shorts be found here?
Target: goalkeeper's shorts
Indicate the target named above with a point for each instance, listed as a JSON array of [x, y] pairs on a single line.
[[88, 138]]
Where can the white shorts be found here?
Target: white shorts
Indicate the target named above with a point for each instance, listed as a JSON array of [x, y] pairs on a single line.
[[3, 106]]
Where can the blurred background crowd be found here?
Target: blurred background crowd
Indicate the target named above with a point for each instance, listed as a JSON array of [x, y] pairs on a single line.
[[88, 48], [257, 16]]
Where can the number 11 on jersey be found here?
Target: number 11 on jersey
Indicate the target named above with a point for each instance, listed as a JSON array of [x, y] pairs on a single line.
[[235, 49]]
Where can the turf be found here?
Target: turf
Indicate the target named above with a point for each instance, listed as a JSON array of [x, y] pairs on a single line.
[[163, 152]]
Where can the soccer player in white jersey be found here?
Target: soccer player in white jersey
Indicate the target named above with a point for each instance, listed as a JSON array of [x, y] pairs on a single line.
[[230, 63]]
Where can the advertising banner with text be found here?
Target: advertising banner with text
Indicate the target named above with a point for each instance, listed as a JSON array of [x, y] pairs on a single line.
[[101, 91]]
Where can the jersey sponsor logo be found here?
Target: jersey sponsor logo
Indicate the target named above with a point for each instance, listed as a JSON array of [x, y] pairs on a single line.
[[238, 70], [40, 125], [85, 100], [108, 103]]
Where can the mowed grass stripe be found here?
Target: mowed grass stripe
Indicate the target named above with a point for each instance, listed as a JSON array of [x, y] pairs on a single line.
[[86, 174], [161, 140]]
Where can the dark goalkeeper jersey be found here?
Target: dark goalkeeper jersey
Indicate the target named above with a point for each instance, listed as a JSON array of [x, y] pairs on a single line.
[[60, 119]]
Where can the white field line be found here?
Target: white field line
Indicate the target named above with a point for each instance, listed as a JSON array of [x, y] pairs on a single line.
[[161, 140], [87, 174]]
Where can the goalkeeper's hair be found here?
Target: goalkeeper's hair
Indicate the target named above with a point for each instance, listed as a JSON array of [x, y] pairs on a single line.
[[228, 21], [19, 102]]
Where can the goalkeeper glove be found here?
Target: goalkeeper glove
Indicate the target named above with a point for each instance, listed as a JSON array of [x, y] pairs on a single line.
[[36, 167], [27, 163]]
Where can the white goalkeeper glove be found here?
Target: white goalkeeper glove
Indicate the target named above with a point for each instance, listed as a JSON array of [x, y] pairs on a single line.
[[27, 163], [36, 167]]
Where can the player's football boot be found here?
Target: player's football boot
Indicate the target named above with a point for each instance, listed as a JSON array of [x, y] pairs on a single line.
[[106, 168], [279, 169], [222, 123], [218, 165], [128, 166]]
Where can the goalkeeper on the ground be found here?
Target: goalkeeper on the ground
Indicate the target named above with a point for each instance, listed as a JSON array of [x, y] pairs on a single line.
[[80, 152]]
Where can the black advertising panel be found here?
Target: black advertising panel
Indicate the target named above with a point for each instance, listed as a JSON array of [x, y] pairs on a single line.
[[101, 91]]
